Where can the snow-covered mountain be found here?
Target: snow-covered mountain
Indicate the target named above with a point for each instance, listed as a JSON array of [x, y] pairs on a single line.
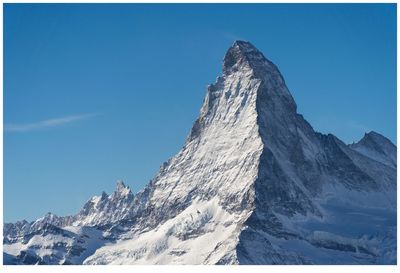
[[253, 184], [104, 209]]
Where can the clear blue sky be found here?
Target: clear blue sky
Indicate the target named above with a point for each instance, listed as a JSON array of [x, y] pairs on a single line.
[[96, 93]]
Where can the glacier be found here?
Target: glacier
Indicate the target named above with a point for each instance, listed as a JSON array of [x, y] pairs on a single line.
[[253, 184]]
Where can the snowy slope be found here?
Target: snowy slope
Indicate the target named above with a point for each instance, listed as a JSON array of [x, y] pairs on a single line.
[[203, 226], [53, 245], [103, 209], [253, 184]]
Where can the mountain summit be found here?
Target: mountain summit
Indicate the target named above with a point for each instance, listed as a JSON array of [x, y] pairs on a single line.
[[253, 184], [242, 54]]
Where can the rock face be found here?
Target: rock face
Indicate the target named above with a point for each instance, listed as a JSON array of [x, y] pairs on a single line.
[[253, 184], [103, 209]]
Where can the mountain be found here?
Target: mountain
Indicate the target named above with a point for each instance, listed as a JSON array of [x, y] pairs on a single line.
[[375, 146], [253, 184], [103, 209]]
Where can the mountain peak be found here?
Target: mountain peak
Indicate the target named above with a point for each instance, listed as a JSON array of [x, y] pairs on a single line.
[[376, 138], [122, 188], [378, 147], [244, 46], [242, 54], [120, 184], [374, 135], [48, 217]]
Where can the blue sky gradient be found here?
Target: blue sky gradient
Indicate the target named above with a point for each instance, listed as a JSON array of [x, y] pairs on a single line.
[[96, 93]]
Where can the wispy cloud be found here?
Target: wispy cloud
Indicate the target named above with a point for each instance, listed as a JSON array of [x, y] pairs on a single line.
[[48, 123]]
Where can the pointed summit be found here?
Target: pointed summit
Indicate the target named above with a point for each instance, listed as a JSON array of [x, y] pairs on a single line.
[[376, 139], [48, 217], [245, 48], [242, 54], [378, 147], [120, 185], [122, 189], [243, 59], [250, 83]]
